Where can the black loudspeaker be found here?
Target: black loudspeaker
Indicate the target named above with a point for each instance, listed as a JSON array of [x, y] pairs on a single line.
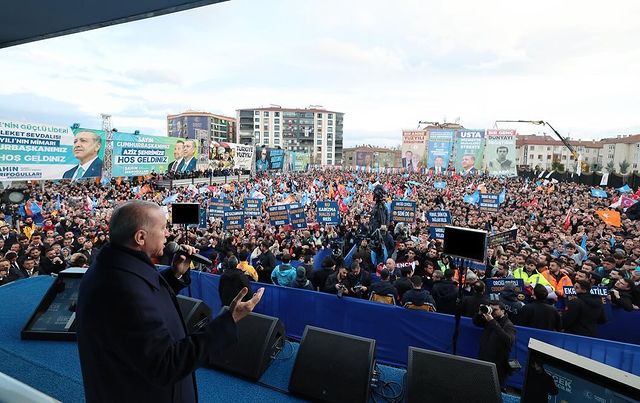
[[333, 366], [260, 338], [431, 377], [185, 213], [196, 313]]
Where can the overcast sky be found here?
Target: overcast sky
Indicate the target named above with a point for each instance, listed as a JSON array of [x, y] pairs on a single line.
[[385, 64]]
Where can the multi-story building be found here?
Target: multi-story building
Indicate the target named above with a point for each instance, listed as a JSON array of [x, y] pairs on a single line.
[[621, 149], [313, 130], [370, 156], [541, 151], [191, 124]]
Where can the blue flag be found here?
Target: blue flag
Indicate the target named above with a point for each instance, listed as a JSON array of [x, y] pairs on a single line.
[[625, 189], [612, 240], [347, 200], [349, 258], [440, 185], [58, 205], [170, 199], [583, 243], [599, 193], [472, 198], [502, 196], [320, 256]]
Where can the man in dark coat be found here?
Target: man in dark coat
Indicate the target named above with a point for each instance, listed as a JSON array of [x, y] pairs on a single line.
[[132, 338], [583, 313], [232, 281], [497, 339], [265, 263], [445, 292], [538, 313]]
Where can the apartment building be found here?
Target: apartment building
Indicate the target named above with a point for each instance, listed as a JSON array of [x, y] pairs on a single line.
[[191, 124], [541, 151]]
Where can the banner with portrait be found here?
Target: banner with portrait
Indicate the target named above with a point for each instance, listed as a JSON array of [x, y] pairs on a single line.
[[139, 154], [37, 151], [298, 161], [469, 147], [230, 156], [414, 150], [269, 159], [439, 149], [500, 152], [364, 159]]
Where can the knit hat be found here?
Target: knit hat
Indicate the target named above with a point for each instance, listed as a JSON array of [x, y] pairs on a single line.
[[300, 272]]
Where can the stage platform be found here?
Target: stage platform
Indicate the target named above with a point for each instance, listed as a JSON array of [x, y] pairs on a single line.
[[54, 367]]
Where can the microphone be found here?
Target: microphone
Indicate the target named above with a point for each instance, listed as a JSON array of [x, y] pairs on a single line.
[[173, 248]]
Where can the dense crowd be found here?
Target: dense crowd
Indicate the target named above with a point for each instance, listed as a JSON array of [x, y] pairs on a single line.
[[561, 241]]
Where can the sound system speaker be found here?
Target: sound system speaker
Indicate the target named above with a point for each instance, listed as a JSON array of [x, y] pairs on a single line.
[[431, 377], [260, 338], [333, 367], [196, 313]]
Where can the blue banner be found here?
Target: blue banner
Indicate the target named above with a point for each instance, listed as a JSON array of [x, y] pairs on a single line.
[[233, 219], [403, 211], [495, 285], [489, 202], [217, 207], [278, 215], [327, 212], [204, 222], [439, 150], [437, 220], [252, 207], [570, 293], [297, 216]]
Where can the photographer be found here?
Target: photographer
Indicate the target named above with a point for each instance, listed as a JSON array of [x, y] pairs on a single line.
[[338, 283], [359, 281], [497, 338]]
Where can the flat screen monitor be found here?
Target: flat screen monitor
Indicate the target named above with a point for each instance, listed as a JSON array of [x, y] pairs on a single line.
[[466, 243], [431, 377], [557, 375], [185, 213]]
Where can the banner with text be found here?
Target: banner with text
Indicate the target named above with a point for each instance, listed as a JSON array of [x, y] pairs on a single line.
[[327, 212], [496, 285], [502, 238], [403, 211], [298, 161], [500, 152], [269, 159], [138, 154], [252, 207], [233, 220], [437, 220], [469, 151], [297, 216], [231, 156], [489, 201], [35, 151], [278, 215], [439, 152], [414, 149], [217, 207]]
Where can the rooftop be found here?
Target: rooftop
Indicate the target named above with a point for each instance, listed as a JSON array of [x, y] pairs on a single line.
[[198, 113], [532, 139], [276, 108]]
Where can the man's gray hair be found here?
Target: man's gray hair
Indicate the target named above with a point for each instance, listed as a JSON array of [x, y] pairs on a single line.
[[128, 218]]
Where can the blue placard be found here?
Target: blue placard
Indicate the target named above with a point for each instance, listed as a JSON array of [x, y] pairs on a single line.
[[437, 220], [403, 211], [327, 212], [278, 215], [252, 207], [217, 207], [233, 219], [489, 201], [204, 222], [570, 293], [297, 216], [495, 285]]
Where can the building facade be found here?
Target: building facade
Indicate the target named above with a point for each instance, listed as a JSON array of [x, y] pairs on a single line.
[[374, 157], [313, 130], [540, 152], [191, 125], [622, 150]]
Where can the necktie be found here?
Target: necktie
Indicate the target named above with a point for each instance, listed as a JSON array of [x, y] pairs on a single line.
[[181, 166], [79, 172]]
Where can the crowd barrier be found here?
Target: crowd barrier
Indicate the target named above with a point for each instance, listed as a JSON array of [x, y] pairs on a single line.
[[396, 328]]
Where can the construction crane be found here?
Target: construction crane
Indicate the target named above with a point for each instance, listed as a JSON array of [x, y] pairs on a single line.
[[578, 157]]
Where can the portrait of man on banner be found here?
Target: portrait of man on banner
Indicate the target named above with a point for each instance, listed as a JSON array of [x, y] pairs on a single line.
[[86, 145], [178, 151], [501, 162]]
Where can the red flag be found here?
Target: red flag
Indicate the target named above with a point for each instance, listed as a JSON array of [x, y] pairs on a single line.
[[342, 207], [567, 222]]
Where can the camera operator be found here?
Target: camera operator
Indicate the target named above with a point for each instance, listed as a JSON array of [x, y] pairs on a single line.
[[338, 283], [497, 338], [359, 281]]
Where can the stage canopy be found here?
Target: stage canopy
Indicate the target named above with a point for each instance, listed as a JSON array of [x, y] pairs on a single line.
[[23, 21]]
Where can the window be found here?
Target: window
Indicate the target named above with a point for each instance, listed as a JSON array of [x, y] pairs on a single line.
[[257, 113], [564, 157], [319, 115], [266, 127], [256, 126], [276, 127], [548, 157], [276, 121], [330, 116], [329, 129], [266, 113], [277, 134], [539, 156], [319, 122], [276, 114], [548, 148], [257, 119], [319, 142], [329, 122], [532, 148], [530, 156], [276, 141], [257, 133]]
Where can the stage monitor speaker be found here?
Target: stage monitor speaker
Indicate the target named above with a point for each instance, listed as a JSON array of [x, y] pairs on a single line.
[[431, 377], [196, 313], [185, 213], [333, 366], [260, 338]]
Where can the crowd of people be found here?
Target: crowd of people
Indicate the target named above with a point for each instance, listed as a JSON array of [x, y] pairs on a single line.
[[561, 241]]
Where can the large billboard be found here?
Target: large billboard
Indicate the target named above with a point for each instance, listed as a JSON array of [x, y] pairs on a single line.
[[469, 151], [269, 159], [298, 161], [500, 152], [439, 150], [231, 156], [364, 159], [37, 151], [414, 149], [138, 154]]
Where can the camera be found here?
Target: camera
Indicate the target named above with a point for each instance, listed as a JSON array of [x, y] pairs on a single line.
[[485, 309], [341, 289], [358, 288]]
